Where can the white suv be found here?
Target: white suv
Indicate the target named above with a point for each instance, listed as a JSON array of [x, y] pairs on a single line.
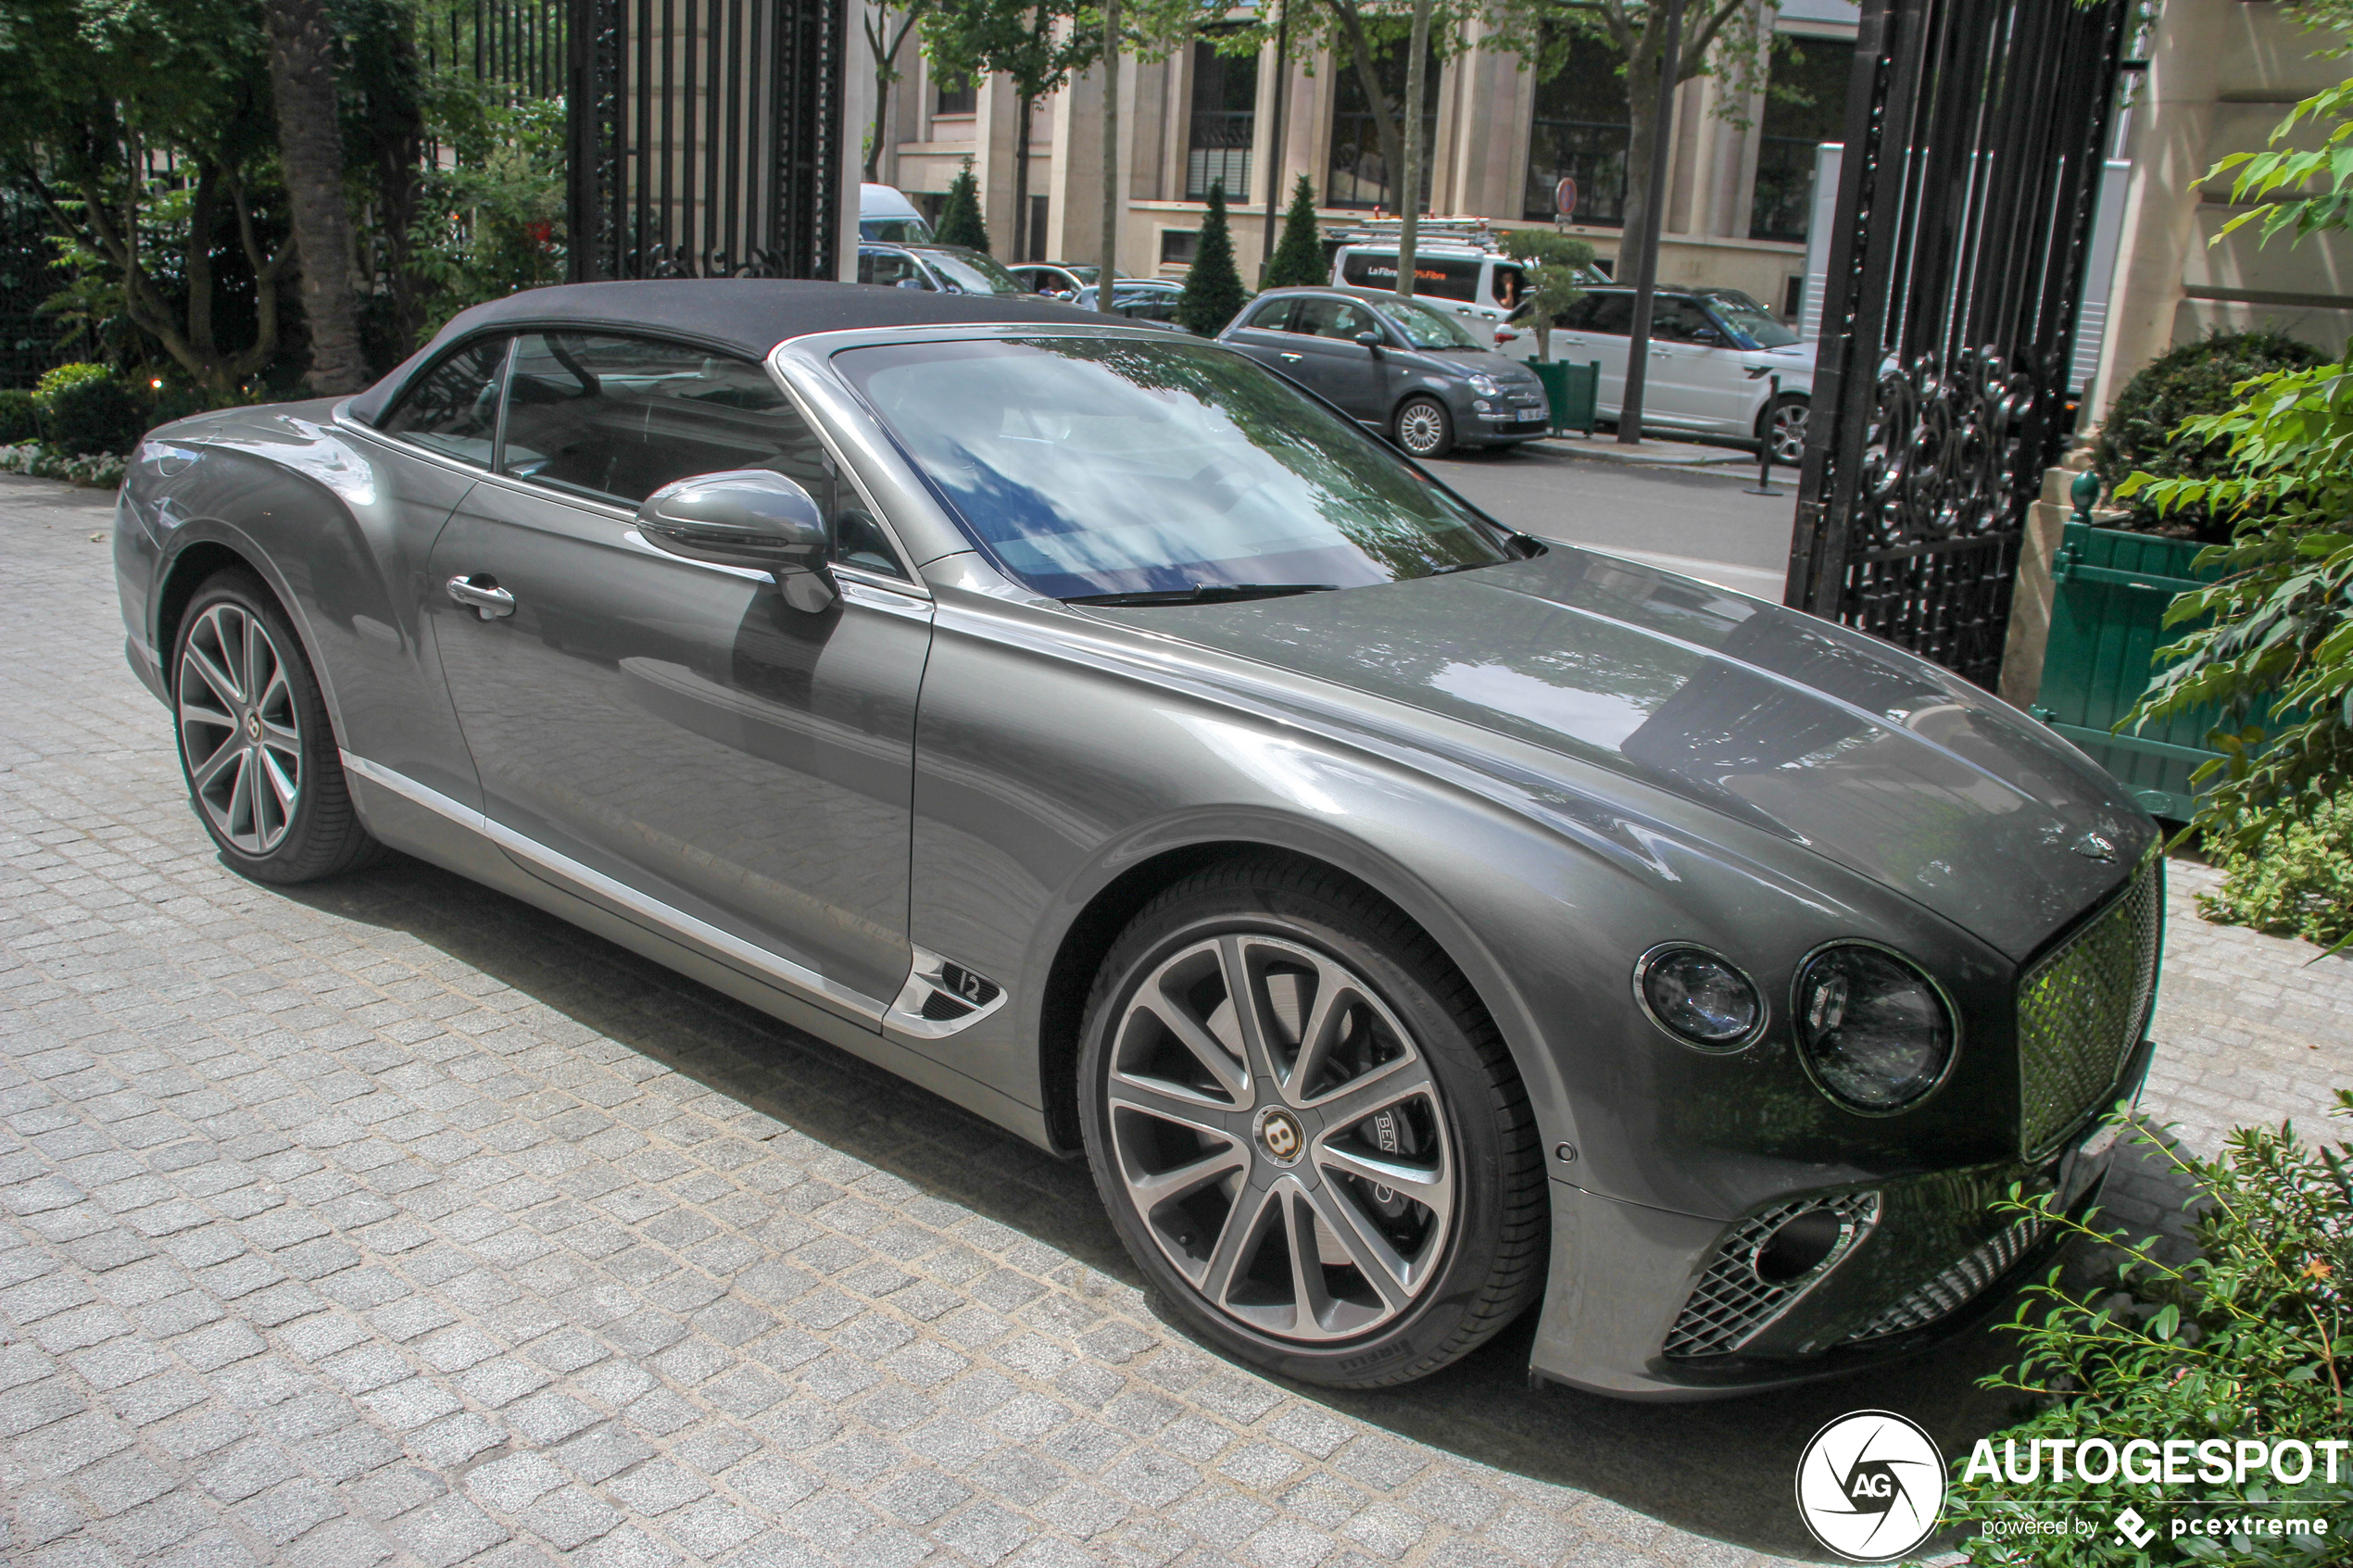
[[1714, 355]]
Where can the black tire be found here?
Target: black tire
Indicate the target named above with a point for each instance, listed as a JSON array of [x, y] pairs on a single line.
[[1782, 424], [1488, 1265], [1422, 428], [318, 835]]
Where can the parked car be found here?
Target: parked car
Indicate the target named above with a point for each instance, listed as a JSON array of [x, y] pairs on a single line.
[[1138, 299], [935, 268], [886, 215], [1059, 279], [1397, 365], [1714, 352], [1409, 921]]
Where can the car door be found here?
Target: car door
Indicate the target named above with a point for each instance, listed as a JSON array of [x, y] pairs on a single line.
[[891, 269], [672, 726], [1601, 323], [1695, 379], [1264, 336], [1324, 328]]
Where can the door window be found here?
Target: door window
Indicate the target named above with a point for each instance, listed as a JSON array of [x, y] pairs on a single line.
[[1273, 316], [1612, 313], [886, 267], [453, 408], [1325, 317], [1680, 320], [618, 417]]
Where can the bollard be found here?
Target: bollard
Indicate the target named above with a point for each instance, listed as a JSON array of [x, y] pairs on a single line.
[[1764, 485], [2086, 492]]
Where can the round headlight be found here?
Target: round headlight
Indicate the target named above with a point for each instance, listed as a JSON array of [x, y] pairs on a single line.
[[1875, 1032], [1484, 385], [1698, 997]]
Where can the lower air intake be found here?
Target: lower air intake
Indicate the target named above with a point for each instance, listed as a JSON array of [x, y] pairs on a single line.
[[1959, 1284], [1744, 1291]]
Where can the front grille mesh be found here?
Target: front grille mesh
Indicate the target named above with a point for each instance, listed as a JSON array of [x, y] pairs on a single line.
[[1730, 1302], [1953, 1289], [2080, 1013]]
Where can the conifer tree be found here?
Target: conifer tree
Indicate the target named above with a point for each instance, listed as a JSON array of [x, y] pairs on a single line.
[[1213, 288], [960, 220], [1299, 257]]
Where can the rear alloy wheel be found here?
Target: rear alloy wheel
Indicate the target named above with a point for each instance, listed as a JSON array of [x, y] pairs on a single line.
[[1306, 1131], [255, 742], [1782, 429], [1423, 428]]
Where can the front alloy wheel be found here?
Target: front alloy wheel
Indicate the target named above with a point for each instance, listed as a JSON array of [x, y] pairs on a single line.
[[1292, 1115], [1423, 428]]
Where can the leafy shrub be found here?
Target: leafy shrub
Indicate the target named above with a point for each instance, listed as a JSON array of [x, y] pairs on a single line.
[[81, 411], [1214, 291], [2144, 432], [102, 469], [18, 420], [2248, 1340], [960, 220], [2295, 880], [2279, 649], [1556, 265], [1299, 257]]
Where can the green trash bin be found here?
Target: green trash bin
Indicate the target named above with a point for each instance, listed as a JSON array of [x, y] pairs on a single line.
[[1572, 391]]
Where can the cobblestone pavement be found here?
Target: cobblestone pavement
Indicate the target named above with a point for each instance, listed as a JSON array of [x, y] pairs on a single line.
[[389, 1221]]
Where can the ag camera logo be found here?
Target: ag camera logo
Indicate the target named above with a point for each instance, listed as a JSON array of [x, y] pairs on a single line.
[[1870, 1486]]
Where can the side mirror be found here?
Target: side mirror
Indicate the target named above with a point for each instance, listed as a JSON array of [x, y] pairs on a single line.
[[1370, 340], [1708, 336], [747, 518], [910, 283]]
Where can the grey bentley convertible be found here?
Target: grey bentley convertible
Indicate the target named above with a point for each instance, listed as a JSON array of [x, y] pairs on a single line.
[[1409, 921]]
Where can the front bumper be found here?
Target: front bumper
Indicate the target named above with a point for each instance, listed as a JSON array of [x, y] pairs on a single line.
[[1939, 1247]]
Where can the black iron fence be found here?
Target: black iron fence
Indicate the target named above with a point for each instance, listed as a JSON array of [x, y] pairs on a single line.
[[706, 137], [1974, 131], [518, 43]]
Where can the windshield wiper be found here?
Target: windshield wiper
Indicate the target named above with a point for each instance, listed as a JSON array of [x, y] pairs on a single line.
[[1205, 594]]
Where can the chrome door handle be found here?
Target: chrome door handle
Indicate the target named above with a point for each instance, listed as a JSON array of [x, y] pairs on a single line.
[[1291, 357], [484, 599]]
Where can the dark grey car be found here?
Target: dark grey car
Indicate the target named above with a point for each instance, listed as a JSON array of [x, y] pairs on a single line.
[[1410, 923], [1399, 366]]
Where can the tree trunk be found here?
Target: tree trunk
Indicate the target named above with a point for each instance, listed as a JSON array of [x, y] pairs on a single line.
[[302, 77], [1021, 185], [882, 73], [1641, 104], [1107, 255], [1392, 144], [1409, 208]]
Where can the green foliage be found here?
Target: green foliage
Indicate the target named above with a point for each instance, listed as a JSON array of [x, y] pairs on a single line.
[[88, 408], [2248, 1340], [102, 470], [19, 421], [2278, 651], [2143, 431], [1214, 289], [2272, 180], [1556, 272], [1299, 257], [2295, 880], [493, 221], [960, 220]]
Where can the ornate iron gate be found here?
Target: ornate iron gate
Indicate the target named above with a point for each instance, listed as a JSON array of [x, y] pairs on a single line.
[[1974, 134], [706, 138]]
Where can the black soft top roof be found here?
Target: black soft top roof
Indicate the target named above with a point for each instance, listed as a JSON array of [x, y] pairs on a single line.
[[746, 316]]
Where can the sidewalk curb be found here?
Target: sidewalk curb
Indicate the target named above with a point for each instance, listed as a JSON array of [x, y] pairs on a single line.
[[1650, 455]]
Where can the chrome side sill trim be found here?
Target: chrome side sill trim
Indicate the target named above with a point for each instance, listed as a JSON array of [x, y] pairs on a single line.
[[766, 965]]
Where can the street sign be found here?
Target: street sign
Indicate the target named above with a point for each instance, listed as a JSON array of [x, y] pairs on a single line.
[[1565, 196]]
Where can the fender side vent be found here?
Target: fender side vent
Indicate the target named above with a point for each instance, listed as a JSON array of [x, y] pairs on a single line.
[[941, 1008]]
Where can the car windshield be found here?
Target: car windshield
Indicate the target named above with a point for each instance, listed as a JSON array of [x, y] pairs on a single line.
[[972, 271], [1099, 465], [1749, 320], [1422, 327]]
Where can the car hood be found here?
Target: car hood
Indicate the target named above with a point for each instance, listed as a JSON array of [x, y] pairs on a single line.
[[1874, 759], [1475, 361]]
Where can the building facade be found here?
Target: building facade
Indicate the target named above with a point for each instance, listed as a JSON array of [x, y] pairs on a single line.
[[1502, 140]]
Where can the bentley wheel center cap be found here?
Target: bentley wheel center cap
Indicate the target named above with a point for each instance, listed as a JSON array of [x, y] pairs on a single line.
[[252, 726], [1279, 1134]]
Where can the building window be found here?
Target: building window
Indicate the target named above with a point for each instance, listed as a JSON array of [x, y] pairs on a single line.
[[1178, 246], [1217, 147], [1360, 171], [1805, 107], [956, 97], [1579, 133]]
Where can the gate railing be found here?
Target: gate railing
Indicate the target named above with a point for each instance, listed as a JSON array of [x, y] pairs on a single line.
[[706, 138], [1974, 131]]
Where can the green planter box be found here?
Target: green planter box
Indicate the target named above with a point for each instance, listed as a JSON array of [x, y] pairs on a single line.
[[2111, 590], [1573, 390]]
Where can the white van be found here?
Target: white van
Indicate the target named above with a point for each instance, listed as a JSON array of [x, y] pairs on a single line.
[[883, 214], [1449, 275]]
